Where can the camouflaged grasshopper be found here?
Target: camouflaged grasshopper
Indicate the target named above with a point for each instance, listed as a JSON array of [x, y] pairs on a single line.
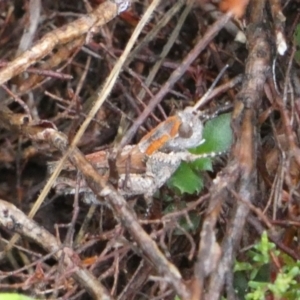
[[143, 168]]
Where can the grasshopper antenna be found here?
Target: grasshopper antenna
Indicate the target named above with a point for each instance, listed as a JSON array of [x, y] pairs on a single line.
[[205, 96]]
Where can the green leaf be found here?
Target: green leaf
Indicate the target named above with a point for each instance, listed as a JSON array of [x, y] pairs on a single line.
[[203, 164], [242, 266], [186, 180], [13, 296], [259, 291], [217, 134], [263, 248]]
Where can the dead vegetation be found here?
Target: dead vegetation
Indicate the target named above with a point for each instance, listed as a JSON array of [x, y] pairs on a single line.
[[77, 77]]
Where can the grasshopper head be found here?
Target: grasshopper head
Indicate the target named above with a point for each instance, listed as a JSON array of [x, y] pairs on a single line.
[[189, 133]]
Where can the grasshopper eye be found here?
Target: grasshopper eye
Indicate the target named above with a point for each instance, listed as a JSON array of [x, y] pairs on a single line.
[[185, 131]]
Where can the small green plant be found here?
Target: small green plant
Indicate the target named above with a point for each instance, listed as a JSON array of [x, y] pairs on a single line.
[[257, 275]]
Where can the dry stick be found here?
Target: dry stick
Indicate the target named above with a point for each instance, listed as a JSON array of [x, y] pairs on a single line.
[[203, 99], [84, 224], [135, 283], [240, 175], [219, 63], [202, 43], [63, 54], [14, 219], [222, 88]]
